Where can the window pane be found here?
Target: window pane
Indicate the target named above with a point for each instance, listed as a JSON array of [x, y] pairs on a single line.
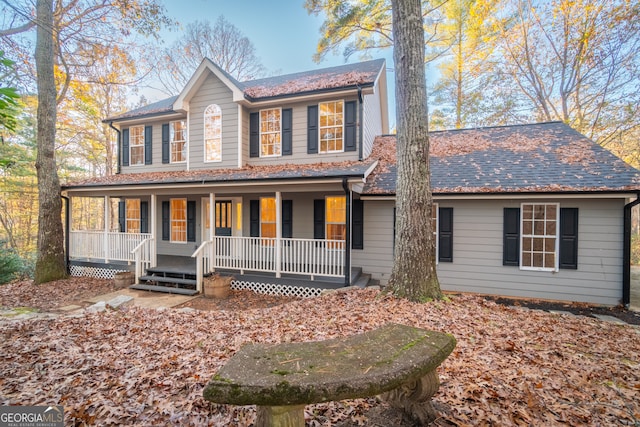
[[178, 220], [336, 231], [539, 234], [331, 122], [177, 133], [213, 133], [268, 230], [132, 208]]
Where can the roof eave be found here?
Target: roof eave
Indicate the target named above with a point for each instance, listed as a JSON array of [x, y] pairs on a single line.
[[309, 93]]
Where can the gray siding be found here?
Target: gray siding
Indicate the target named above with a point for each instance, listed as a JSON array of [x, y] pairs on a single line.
[[371, 121], [477, 252], [156, 151]]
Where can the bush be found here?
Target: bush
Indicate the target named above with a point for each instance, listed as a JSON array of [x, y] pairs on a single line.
[[11, 266]]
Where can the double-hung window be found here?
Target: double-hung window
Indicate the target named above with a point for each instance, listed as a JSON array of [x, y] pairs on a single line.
[[268, 217], [213, 133], [539, 238], [270, 132], [178, 220], [336, 218], [136, 145], [331, 126], [132, 212], [178, 141]]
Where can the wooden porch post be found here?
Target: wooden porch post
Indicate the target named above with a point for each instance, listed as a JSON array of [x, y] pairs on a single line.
[[212, 232], [154, 231], [278, 247], [107, 223]]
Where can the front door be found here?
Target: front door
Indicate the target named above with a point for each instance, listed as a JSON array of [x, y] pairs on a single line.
[[223, 218]]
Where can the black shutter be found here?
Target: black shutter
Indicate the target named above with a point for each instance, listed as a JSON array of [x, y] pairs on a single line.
[[318, 219], [122, 218], [254, 135], [254, 218], [357, 224], [191, 221], [569, 238], [445, 235], [144, 217], [287, 131], [166, 221], [287, 219], [165, 143], [312, 129], [125, 147], [350, 126], [148, 131], [511, 237]]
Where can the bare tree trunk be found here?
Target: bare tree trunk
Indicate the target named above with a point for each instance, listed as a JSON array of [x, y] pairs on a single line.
[[414, 268], [50, 264]]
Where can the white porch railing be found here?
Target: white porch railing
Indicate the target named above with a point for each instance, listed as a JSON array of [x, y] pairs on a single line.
[[203, 262], [143, 256], [311, 257], [109, 246]]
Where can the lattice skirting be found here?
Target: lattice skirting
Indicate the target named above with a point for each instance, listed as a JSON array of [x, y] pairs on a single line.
[[274, 289], [97, 272]]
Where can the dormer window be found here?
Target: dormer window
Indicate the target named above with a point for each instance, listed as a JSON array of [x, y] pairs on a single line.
[[213, 133], [331, 127], [136, 145], [178, 141], [270, 136]]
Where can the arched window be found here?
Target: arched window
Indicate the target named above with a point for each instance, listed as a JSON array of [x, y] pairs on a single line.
[[213, 133]]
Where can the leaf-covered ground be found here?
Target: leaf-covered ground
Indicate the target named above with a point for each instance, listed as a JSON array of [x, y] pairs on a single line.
[[146, 367]]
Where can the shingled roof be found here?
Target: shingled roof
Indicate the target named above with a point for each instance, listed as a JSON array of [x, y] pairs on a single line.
[[536, 158], [346, 76]]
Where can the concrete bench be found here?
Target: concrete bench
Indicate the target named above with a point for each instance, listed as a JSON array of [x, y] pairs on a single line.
[[395, 361]]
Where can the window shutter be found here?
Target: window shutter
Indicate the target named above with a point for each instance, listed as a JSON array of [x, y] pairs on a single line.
[[287, 219], [357, 224], [312, 129], [569, 238], [166, 221], [445, 235], [511, 238], [318, 219], [122, 218], [125, 147], [254, 135], [254, 218], [350, 126], [191, 221], [144, 217], [165, 143], [287, 131], [148, 131]]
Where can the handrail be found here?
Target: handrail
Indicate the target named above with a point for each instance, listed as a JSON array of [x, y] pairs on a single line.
[[201, 255], [137, 252]]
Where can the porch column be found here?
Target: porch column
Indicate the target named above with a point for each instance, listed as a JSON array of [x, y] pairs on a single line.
[[154, 231], [278, 233], [212, 232], [107, 222]]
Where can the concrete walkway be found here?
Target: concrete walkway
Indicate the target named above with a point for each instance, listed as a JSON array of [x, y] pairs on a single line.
[[145, 299]]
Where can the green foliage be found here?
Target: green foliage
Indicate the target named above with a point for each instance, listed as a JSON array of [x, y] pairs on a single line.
[[11, 265], [9, 106]]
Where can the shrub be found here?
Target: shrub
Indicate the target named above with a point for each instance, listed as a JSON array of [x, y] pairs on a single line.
[[11, 266]]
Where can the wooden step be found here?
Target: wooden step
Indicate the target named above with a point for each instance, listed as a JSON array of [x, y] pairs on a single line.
[[165, 289], [164, 279]]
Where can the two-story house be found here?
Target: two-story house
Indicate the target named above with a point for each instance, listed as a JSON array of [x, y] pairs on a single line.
[[288, 183]]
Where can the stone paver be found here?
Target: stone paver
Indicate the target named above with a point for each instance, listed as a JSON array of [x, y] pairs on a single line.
[[145, 299], [610, 319], [562, 312]]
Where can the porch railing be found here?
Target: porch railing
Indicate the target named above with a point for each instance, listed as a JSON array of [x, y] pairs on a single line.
[[143, 256], [109, 246], [203, 257], [311, 257]]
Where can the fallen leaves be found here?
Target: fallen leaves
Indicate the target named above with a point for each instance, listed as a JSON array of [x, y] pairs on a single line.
[[149, 367]]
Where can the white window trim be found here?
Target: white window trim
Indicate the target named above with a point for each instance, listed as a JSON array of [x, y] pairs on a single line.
[[131, 146], [320, 128], [260, 133], [171, 141], [186, 221], [205, 133], [556, 267]]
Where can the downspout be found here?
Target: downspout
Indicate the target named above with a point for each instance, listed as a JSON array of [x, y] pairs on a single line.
[[67, 226], [347, 243], [360, 123], [117, 147], [626, 253]]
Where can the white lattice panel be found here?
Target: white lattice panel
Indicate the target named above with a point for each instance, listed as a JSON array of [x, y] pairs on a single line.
[[274, 289], [97, 272]]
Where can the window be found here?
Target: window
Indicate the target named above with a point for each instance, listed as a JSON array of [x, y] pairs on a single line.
[[268, 217], [132, 215], [331, 126], [178, 142], [213, 133], [539, 238], [270, 127], [336, 218], [136, 145], [178, 220]]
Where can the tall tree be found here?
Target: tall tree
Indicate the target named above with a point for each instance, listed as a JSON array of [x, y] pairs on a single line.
[[223, 43], [414, 268], [50, 264]]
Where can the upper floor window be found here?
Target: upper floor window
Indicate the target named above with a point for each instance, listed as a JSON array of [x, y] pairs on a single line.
[[132, 215], [213, 133], [331, 126], [178, 141], [270, 136], [136, 145]]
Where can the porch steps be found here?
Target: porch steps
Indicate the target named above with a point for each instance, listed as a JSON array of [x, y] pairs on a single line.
[[165, 289], [174, 279], [362, 281]]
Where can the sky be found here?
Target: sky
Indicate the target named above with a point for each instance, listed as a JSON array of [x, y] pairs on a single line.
[[284, 34]]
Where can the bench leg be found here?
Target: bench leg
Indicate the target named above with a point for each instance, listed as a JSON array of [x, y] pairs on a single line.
[[280, 416], [415, 398]]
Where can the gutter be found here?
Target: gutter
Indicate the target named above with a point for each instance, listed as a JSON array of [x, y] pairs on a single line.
[[347, 242], [626, 253], [67, 229], [360, 123], [117, 146]]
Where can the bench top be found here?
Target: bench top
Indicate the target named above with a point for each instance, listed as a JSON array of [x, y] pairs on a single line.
[[343, 368]]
